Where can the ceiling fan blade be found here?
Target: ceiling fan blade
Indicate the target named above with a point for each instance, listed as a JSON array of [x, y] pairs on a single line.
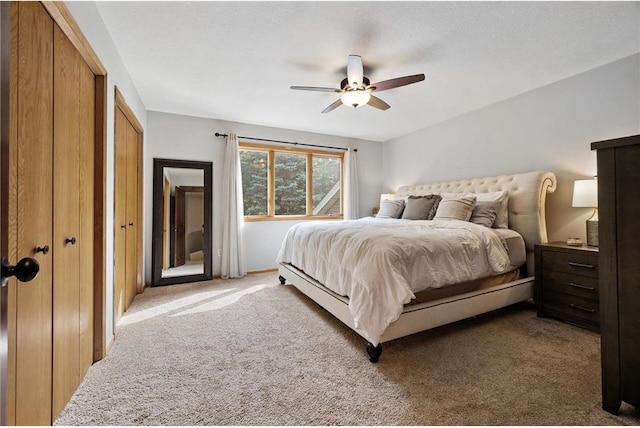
[[333, 106], [315, 88], [378, 103], [355, 71], [397, 82]]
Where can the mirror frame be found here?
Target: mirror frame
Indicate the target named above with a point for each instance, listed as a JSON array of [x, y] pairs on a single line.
[[156, 241]]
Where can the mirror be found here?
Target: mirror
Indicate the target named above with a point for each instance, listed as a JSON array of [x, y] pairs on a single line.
[[181, 241]]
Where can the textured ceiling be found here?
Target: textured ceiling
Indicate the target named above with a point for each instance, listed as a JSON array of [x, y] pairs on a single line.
[[236, 60]]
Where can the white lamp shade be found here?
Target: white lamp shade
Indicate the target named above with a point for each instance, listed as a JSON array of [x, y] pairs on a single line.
[[355, 98], [585, 194], [386, 196]]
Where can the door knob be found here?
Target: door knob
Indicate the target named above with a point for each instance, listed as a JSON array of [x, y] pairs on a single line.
[[71, 240], [123, 226], [130, 224], [43, 250], [25, 270]]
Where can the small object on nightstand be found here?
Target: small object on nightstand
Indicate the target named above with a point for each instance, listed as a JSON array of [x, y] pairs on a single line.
[[574, 242], [566, 284]]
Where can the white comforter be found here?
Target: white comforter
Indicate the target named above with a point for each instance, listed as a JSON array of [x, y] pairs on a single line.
[[380, 263]]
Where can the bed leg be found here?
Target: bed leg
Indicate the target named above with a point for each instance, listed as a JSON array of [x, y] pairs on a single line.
[[374, 352], [282, 279]]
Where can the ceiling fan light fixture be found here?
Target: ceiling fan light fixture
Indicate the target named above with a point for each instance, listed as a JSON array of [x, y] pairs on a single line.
[[355, 98], [356, 88]]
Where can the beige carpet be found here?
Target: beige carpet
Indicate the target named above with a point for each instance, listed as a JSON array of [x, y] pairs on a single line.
[[253, 352]]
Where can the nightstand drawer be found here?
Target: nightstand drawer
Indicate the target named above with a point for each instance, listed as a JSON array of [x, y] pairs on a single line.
[[581, 286], [572, 308], [573, 263], [566, 284]]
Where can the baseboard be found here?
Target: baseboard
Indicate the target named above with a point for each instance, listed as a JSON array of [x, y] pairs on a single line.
[[263, 271]]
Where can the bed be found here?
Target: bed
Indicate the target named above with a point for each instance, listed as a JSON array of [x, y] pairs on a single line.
[[381, 305]]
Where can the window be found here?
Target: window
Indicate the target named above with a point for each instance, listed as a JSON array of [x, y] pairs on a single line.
[[282, 183], [254, 165]]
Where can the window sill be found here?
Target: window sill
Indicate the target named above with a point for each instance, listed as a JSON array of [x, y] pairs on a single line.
[[251, 219]]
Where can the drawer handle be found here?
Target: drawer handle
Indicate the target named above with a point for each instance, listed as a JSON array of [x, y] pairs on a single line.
[[591, 311], [582, 265], [583, 287]]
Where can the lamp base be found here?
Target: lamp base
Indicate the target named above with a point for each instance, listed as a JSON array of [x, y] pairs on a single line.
[[592, 229]]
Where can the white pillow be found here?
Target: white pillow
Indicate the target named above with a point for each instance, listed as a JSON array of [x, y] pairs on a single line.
[[455, 208], [391, 208], [502, 220]]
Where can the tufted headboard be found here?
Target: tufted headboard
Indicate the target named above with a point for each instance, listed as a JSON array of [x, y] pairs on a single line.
[[527, 196]]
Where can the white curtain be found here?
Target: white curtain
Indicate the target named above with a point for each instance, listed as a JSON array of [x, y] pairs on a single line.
[[232, 212], [351, 202]]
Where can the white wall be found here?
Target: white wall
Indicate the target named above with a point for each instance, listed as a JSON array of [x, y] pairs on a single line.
[[172, 136], [88, 18], [549, 128]]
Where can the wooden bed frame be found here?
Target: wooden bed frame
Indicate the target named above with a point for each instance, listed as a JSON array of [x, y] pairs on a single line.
[[527, 196]]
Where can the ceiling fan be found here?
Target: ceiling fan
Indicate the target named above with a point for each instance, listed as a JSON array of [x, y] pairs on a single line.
[[356, 88]]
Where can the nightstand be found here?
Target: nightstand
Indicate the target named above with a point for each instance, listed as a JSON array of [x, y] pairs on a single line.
[[566, 285]]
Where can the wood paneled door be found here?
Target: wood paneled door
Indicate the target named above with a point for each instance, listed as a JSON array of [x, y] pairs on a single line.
[[128, 207], [31, 191], [55, 215], [73, 114]]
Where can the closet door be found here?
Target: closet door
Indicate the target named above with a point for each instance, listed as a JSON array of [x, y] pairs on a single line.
[[127, 217], [73, 114], [120, 221], [51, 215], [87, 196], [66, 222], [131, 212], [30, 206]]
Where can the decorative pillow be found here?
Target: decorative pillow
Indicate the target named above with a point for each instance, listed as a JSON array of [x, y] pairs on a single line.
[[421, 207], [455, 208], [502, 219], [391, 208], [485, 213]]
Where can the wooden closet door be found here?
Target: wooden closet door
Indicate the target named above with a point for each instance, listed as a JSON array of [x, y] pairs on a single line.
[[30, 213], [131, 212], [87, 195], [66, 212], [120, 221]]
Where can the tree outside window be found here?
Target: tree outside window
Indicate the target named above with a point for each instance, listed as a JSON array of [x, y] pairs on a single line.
[[290, 183], [254, 166]]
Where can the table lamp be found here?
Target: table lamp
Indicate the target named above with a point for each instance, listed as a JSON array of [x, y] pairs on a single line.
[[585, 195]]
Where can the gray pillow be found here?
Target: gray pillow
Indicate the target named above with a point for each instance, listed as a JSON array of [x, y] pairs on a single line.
[[391, 208], [455, 209], [502, 219], [421, 207], [485, 213]]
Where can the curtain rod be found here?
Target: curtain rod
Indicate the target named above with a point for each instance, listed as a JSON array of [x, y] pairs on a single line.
[[293, 143]]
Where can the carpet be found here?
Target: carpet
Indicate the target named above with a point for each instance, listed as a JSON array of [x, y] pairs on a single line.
[[252, 352]]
